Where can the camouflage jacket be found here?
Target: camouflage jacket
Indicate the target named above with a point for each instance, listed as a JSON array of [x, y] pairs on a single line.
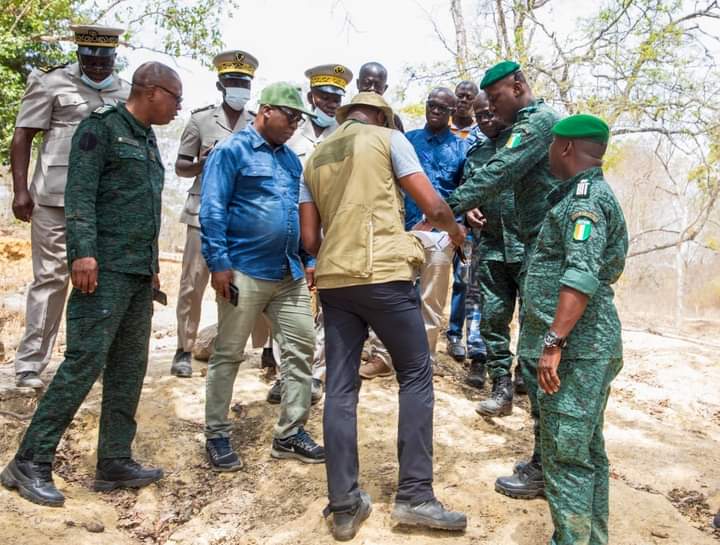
[[499, 240], [112, 198], [582, 245], [521, 164]]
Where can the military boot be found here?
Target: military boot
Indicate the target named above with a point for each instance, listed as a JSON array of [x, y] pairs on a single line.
[[182, 364], [115, 473], [501, 399], [476, 373], [526, 484], [33, 481]]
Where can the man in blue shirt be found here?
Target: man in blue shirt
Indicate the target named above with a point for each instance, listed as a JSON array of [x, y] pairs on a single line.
[[442, 156], [251, 242]]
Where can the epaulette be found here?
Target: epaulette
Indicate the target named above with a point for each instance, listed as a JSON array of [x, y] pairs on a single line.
[[196, 110], [582, 190], [103, 110], [48, 69]]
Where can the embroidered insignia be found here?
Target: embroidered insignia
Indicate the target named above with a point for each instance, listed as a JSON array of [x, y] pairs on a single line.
[[126, 140], [104, 108], [583, 189], [339, 70], [592, 216], [514, 140], [582, 230], [239, 57]]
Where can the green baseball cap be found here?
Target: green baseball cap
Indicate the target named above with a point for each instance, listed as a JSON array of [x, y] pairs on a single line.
[[582, 126], [498, 72], [285, 94]]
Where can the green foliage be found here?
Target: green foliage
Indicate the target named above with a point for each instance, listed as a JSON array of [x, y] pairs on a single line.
[[35, 34]]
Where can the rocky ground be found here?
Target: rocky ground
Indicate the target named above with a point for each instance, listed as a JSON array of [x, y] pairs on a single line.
[[662, 431]]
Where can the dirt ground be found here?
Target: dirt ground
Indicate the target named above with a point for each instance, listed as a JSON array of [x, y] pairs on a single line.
[[662, 432]]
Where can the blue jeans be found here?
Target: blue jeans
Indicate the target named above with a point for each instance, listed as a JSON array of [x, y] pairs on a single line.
[[457, 303]]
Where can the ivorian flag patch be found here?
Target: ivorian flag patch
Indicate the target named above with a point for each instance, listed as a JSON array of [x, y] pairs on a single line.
[[514, 140], [582, 230]]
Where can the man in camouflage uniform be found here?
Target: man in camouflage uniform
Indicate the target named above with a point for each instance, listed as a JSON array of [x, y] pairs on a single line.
[[521, 164], [572, 326], [207, 127], [497, 256], [113, 207], [56, 100]]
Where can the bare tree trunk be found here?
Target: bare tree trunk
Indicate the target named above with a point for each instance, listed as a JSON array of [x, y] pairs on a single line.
[[681, 251], [461, 57]]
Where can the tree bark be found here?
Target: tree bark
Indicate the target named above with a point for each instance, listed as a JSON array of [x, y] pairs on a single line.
[[461, 55]]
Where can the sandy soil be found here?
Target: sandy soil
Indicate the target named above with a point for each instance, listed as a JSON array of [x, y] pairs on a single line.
[[663, 432]]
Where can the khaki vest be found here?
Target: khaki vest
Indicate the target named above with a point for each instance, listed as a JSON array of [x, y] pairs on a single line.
[[351, 179]]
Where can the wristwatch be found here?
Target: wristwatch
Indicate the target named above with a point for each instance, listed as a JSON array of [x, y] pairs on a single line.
[[553, 340]]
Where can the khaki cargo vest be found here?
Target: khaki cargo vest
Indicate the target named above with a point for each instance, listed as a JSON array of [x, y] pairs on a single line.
[[351, 179]]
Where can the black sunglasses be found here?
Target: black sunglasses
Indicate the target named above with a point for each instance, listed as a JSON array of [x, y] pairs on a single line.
[[178, 98], [437, 107], [293, 116]]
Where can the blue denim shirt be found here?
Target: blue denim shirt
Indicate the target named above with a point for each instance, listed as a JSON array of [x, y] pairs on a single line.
[[442, 157], [249, 208]]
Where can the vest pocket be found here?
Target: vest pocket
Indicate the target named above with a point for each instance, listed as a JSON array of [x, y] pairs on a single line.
[[347, 249]]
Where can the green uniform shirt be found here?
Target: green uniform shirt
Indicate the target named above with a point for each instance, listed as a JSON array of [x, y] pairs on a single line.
[[112, 198], [582, 245], [499, 239], [521, 164]]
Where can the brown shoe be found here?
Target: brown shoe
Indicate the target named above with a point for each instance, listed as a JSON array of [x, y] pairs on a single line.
[[375, 367]]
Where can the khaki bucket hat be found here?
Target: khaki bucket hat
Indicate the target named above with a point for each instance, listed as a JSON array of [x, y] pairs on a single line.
[[367, 98]]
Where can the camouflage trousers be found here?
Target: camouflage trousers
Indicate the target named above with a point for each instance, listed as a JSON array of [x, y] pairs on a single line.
[[575, 463], [108, 332], [496, 285]]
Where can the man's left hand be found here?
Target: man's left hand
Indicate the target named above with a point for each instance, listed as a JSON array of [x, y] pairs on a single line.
[[548, 378], [156, 281], [310, 277]]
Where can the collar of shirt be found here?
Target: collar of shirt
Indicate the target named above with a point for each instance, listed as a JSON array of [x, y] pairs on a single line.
[[137, 127], [467, 129], [257, 140], [437, 137]]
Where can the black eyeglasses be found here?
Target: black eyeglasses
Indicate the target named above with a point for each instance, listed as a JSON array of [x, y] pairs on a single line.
[[178, 98], [485, 114], [437, 107], [293, 116]]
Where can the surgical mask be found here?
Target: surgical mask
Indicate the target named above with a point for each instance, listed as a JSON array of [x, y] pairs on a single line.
[[236, 97], [97, 85], [322, 119]]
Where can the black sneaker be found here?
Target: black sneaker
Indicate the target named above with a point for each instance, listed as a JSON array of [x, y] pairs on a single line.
[[274, 395], [221, 455], [317, 391], [182, 364], [115, 473], [33, 481], [345, 524], [431, 514], [299, 447]]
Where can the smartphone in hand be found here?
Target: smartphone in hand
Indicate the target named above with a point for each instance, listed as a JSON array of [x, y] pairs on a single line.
[[234, 295], [159, 296]]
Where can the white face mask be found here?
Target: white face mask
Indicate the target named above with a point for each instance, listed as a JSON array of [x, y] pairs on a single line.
[[322, 119], [99, 85], [236, 97]]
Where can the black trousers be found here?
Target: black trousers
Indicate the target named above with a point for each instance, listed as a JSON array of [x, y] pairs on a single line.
[[392, 309]]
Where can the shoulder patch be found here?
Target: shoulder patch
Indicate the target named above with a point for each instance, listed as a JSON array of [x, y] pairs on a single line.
[[582, 190], [48, 69], [582, 229], [196, 110], [592, 216], [514, 141], [103, 110]]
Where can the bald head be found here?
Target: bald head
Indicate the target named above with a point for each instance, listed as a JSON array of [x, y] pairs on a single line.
[[154, 73], [156, 94], [372, 77], [443, 92]]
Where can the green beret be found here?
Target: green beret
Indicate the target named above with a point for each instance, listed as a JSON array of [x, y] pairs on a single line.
[[582, 126], [498, 72]]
